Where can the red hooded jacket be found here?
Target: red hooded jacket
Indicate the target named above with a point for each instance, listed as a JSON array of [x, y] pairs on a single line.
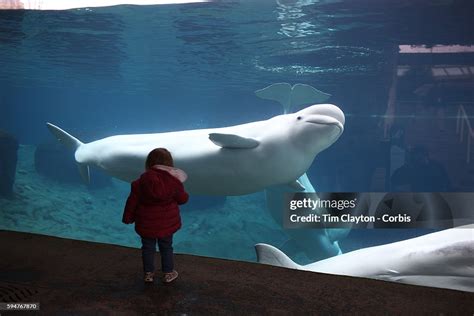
[[153, 204]]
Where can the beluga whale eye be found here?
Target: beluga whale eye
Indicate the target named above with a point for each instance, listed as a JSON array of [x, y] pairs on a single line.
[[299, 118]]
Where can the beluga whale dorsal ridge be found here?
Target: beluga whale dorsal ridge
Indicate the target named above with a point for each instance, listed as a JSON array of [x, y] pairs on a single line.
[[233, 160]]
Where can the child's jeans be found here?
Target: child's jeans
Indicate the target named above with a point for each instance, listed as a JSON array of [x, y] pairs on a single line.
[[166, 252]]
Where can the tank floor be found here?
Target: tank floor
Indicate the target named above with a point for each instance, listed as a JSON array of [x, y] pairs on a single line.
[[84, 278]]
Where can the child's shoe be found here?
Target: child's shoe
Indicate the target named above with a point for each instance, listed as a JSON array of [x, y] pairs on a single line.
[[170, 276], [148, 277]]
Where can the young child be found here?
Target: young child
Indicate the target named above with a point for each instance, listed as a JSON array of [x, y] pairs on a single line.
[[153, 206]]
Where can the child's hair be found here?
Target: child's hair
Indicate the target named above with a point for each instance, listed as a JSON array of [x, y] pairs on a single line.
[[159, 156]]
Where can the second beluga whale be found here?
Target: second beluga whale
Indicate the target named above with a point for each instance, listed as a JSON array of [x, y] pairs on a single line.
[[441, 259], [232, 160]]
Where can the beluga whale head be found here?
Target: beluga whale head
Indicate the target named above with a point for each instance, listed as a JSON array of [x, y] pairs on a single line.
[[294, 140], [317, 127]]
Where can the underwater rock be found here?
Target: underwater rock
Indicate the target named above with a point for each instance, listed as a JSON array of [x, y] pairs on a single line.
[[55, 162], [8, 160]]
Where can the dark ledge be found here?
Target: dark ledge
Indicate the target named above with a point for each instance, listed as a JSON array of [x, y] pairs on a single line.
[[82, 278]]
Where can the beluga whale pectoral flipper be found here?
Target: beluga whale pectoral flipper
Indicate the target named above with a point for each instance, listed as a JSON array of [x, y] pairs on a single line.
[[232, 141], [232, 160]]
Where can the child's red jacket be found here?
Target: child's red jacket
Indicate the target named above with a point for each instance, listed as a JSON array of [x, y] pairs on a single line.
[[153, 204]]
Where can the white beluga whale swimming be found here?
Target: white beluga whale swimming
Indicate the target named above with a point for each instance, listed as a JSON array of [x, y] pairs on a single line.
[[232, 160], [443, 259]]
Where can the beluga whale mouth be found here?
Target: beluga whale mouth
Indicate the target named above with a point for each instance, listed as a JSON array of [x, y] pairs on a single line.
[[327, 120]]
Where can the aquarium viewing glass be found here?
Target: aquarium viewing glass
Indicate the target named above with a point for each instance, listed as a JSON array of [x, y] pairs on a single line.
[[401, 71]]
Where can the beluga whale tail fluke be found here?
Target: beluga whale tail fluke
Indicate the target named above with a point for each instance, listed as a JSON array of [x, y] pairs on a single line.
[[72, 143], [289, 96]]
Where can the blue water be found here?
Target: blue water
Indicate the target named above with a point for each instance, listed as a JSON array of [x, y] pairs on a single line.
[[128, 69]]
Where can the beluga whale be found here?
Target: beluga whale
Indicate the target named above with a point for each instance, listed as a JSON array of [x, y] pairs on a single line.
[[233, 160], [442, 259]]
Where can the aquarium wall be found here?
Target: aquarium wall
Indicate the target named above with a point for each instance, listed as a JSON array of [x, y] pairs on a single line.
[[401, 71]]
